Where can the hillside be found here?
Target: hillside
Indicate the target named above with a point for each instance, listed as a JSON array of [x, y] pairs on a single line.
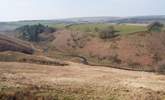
[[136, 51], [134, 48], [11, 44]]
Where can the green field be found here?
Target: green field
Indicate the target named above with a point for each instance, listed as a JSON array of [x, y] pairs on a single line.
[[58, 26], [122, 28], [127, 29]]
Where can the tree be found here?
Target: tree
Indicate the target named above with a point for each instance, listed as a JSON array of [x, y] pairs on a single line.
[[108, 33], [155, 27]]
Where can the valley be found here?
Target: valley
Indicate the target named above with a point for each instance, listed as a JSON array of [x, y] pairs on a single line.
[[72, 60]]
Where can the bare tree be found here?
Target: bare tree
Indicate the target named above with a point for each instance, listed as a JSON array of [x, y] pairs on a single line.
[[77, 41]]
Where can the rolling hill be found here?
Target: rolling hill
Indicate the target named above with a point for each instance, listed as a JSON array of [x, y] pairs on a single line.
[[141, 19], [8, 26]]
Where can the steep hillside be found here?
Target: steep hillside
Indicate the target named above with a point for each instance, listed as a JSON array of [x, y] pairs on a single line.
[[12, 44], [138, 51]]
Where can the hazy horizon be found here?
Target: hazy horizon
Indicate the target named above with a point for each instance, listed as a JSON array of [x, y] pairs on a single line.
[[17, 10]]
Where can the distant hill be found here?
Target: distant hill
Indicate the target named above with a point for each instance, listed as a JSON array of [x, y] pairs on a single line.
[[141, 19], [136, 19], [8, 26], [93, 19]]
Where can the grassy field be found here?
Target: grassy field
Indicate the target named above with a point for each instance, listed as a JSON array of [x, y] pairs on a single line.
[[122, 28], [58, 26], [23, 81], [126, 29]]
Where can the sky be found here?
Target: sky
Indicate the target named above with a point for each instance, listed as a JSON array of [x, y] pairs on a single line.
[[14, 10]]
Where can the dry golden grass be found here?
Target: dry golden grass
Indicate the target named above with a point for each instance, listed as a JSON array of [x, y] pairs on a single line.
[[77, 82]]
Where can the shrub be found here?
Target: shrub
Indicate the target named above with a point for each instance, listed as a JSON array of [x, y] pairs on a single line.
[[108, 33], [96, 29], [155, 27], [161, 67], [157, 57], [133, 64], [114, 58]]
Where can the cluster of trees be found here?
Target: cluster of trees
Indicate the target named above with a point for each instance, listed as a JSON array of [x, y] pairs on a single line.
[[31, 32]]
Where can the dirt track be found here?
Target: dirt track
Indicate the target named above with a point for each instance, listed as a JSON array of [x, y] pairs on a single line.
[[20, 74]]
